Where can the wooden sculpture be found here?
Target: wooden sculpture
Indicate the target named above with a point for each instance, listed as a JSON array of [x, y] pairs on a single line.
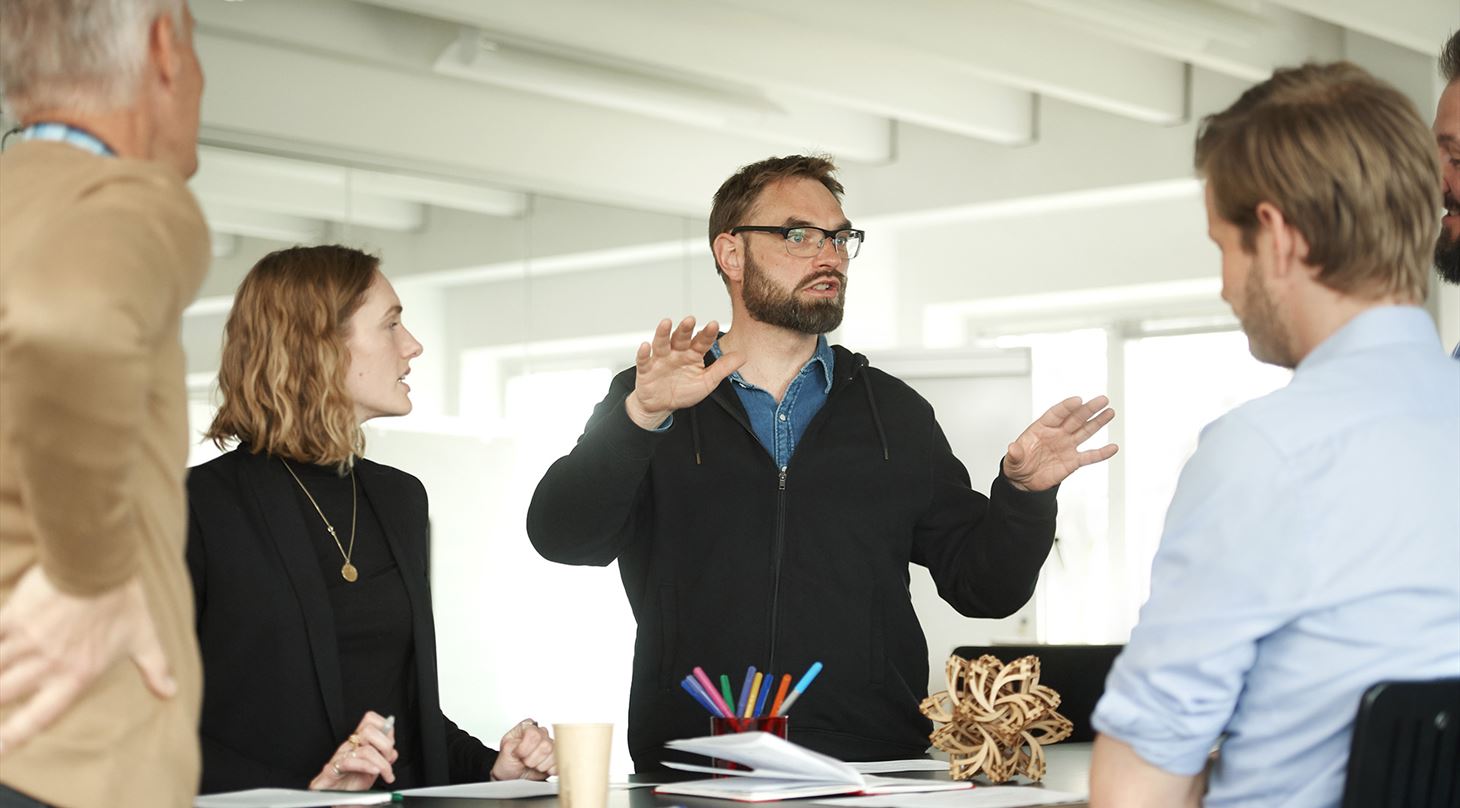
[[995, 718]]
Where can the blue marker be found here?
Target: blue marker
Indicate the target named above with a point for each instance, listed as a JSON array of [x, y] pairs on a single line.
[[765, 690], [800, 688], [693, 688], [745, 691]]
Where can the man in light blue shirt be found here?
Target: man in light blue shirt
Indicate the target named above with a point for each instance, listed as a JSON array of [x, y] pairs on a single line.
[[1313, 544]]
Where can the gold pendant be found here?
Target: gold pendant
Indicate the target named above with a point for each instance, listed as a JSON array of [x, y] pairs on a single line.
[[348, 572]]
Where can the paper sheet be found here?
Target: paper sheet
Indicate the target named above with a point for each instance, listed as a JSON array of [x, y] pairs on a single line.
[[976, 797], [500, 790], [914, 765], [290, 798]]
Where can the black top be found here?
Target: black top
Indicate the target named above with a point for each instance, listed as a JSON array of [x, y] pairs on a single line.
[[283, 637], [372, 614], [727, 563]]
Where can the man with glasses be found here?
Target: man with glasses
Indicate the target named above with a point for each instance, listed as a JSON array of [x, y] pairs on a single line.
[[764, 491]]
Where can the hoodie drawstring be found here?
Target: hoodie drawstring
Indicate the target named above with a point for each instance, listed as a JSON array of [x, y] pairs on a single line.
[[876, 417]]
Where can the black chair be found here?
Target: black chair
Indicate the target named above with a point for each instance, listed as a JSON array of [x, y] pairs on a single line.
[[1076, 672], [1406, 747]]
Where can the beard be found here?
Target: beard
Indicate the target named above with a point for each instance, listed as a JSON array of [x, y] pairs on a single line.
[[1447, 250], [772, 305], [1268, 336]]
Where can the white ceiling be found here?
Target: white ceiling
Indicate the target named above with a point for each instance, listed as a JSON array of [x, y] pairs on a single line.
[[463, 137]]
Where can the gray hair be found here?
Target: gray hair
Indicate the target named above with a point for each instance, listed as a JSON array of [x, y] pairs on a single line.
[[82, 55]]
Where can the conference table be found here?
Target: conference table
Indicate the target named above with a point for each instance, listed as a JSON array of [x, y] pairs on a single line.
[[1067, 769]]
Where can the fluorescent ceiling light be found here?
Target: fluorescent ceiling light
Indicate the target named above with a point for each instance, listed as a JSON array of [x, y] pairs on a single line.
[[476, 58]]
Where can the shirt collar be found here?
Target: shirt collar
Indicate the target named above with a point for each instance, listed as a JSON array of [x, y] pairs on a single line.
[[65, 133], [1381, 325], [822, 354]]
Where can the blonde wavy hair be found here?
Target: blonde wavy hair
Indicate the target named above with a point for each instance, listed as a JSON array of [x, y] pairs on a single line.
[[1347, 160], [282, 374]]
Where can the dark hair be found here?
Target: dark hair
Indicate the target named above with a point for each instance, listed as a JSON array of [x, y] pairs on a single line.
[[1450, 58], [1346, 159], [739, 193]]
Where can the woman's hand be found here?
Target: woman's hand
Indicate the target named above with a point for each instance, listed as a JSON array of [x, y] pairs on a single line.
[[526, 754], [364, 756]]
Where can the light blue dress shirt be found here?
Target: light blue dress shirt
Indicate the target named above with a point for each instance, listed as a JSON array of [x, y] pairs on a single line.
[[65, 133], [779, 427], [1312, 548]]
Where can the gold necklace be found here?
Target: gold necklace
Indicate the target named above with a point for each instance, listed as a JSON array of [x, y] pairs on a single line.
[[348, 572]]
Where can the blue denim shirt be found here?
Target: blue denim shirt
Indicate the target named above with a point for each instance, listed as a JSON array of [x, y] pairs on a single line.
[[780, 427]]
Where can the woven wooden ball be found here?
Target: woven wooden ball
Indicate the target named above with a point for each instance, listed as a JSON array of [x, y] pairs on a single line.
[[995, 718]]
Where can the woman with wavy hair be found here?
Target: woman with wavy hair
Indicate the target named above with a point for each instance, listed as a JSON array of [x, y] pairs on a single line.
[[309, 562]]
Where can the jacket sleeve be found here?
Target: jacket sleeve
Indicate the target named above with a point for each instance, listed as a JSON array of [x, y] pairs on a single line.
[[589, 503], [983, 553], [468, 760], [81, 335]]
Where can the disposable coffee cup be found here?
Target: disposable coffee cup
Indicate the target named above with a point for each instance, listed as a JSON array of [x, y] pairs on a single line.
[[582, 752]]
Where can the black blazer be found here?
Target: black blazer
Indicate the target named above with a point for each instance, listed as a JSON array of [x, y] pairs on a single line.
[[273, 710]]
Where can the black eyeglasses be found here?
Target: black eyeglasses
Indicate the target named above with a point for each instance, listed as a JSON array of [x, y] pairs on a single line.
[[804, 241]]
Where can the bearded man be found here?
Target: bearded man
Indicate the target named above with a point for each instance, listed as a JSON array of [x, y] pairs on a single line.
[[764, 491]]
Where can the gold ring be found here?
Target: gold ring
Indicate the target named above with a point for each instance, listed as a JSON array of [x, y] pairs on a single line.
[[354, 740]]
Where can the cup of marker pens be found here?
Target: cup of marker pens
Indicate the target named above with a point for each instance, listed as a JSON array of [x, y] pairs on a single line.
[[761, 707]]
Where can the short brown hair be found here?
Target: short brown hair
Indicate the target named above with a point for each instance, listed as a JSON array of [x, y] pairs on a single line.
[[1450, 58], [282, 374], [1347, 160], [739, 193]]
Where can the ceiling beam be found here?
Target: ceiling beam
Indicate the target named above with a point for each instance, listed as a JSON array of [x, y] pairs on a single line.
[[690, 39], [1006, 43], [1419, 25]]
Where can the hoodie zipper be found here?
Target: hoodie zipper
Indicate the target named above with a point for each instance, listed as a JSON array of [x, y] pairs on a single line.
[[779, 552]]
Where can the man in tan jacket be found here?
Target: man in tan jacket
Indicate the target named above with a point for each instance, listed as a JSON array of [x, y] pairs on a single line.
[[101, 248]]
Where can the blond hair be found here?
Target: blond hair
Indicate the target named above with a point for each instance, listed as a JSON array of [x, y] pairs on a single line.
[[284, 365], [1346, 159], [80, 55]]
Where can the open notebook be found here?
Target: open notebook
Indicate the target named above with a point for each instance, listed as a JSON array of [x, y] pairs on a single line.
[[780, 770]]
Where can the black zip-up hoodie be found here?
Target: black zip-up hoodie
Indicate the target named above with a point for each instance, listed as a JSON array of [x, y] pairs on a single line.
[[727, 561]]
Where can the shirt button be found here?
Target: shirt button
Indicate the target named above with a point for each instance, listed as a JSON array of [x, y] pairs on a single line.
[[782, 416]]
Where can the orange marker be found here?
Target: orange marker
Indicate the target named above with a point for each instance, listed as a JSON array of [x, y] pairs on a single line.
[[780, 695]]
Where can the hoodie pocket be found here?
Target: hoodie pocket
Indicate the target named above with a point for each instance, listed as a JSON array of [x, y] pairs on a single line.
[[668, 634]]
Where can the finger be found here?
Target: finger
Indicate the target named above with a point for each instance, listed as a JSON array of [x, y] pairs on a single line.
[[707, 336], [1056, 415], [539, 753], [22, 678], [372, 736], [151, 660], [1097, 455], [365, 770], [641, 357], [13, 646], [721, 368], [660, 342], [43, 708], [1092, 425], [682, 336], [376, 761], [1015, 454], [1083, 413]]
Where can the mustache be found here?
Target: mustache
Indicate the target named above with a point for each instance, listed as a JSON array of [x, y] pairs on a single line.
[[832, 275]]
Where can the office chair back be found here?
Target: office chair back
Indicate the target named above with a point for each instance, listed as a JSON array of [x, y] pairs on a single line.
[[1076, 672], [1406, 747]]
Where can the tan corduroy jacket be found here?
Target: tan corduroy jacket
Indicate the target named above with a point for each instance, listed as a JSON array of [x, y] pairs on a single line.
[[98, 257]]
